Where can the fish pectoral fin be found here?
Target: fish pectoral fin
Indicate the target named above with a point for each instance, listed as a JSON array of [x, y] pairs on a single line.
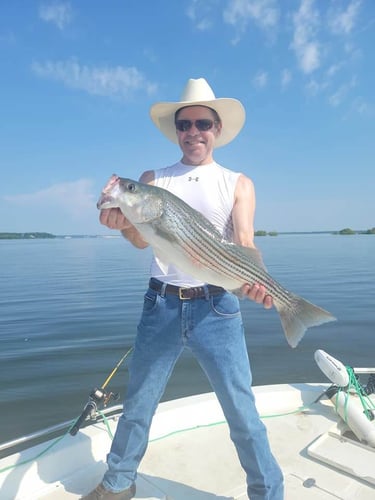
[[152, 212], [162, 232], [161, 262]]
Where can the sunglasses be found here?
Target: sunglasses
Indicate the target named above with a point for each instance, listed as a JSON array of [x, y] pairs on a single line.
[[203, 124]]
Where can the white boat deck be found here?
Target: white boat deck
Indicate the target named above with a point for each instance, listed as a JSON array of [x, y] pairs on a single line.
[[191, 457]]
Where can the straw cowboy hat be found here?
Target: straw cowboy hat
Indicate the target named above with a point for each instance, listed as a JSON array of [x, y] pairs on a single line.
[[199, 93]]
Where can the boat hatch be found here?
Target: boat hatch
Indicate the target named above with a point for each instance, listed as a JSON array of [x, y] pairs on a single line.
[[340, 449]]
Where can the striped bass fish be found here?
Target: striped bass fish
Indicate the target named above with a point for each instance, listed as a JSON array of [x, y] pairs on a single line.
[[182, 236]]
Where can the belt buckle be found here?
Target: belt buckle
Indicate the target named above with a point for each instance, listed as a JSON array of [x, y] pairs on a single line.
[[180, 292]]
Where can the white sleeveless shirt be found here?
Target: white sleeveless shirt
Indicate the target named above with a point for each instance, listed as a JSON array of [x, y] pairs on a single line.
[[207, 188]]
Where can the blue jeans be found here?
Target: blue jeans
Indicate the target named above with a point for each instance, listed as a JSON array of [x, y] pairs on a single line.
[[212, 328]]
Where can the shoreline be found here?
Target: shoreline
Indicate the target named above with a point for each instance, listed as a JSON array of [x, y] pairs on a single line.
[[44, 235]]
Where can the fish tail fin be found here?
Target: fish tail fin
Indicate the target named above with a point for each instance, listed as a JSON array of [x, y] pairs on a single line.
[[300, 315]]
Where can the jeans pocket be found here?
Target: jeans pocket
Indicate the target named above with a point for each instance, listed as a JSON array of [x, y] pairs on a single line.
[[226, 305], [150, 301]]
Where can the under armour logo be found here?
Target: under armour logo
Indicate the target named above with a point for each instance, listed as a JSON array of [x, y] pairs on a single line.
[[196, 179]]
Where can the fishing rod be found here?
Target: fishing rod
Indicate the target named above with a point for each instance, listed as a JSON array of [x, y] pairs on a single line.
[[98, 395]]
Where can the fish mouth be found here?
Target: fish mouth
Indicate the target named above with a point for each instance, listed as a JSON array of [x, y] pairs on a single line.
[[107, 198], [104, 201]]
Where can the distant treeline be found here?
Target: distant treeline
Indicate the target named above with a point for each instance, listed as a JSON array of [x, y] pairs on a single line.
[[265, 233], [347, 230], [25, 236]]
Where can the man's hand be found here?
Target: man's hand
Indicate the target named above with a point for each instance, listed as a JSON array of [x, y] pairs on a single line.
[[114, 219], [258, 294]]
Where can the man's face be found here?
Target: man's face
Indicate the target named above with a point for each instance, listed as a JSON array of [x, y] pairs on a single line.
[[197, 145]]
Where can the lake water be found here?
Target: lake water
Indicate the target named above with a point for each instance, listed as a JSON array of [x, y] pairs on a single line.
[[69, 309]]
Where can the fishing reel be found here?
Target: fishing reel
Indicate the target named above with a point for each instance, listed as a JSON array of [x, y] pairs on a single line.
[[370, 386], [98, 396]]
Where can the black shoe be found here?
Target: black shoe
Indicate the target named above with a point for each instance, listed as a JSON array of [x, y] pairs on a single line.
[[101, 493]]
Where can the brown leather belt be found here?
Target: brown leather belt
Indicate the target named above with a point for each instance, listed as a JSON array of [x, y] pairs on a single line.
[[183, 293]]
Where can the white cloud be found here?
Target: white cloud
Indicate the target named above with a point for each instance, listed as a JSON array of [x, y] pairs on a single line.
[[341, 22], [260, 80], [73, 198], [305, 43], [58, 13], [238, 13], [360, 106], [286, 78], [333, 69], [339, 96], [116, 81], [352, 51], [314, 87], [200, 12]]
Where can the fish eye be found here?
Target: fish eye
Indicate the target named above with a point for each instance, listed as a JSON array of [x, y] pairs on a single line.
[[131, 187]]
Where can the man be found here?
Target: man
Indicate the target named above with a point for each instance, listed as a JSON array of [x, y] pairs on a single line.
[[207, 319]]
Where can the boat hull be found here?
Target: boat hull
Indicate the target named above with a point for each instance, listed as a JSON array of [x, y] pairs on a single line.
[[190, 455]]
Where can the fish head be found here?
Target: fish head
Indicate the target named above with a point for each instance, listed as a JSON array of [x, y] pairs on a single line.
[[137, 201]]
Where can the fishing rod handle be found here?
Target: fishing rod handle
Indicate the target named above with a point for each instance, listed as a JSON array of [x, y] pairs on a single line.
[[91, 406]]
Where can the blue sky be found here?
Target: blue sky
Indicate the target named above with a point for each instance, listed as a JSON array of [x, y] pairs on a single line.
[[78, 78]]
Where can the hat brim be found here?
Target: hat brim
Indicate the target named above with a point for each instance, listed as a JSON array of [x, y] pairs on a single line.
[[230, 111]]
